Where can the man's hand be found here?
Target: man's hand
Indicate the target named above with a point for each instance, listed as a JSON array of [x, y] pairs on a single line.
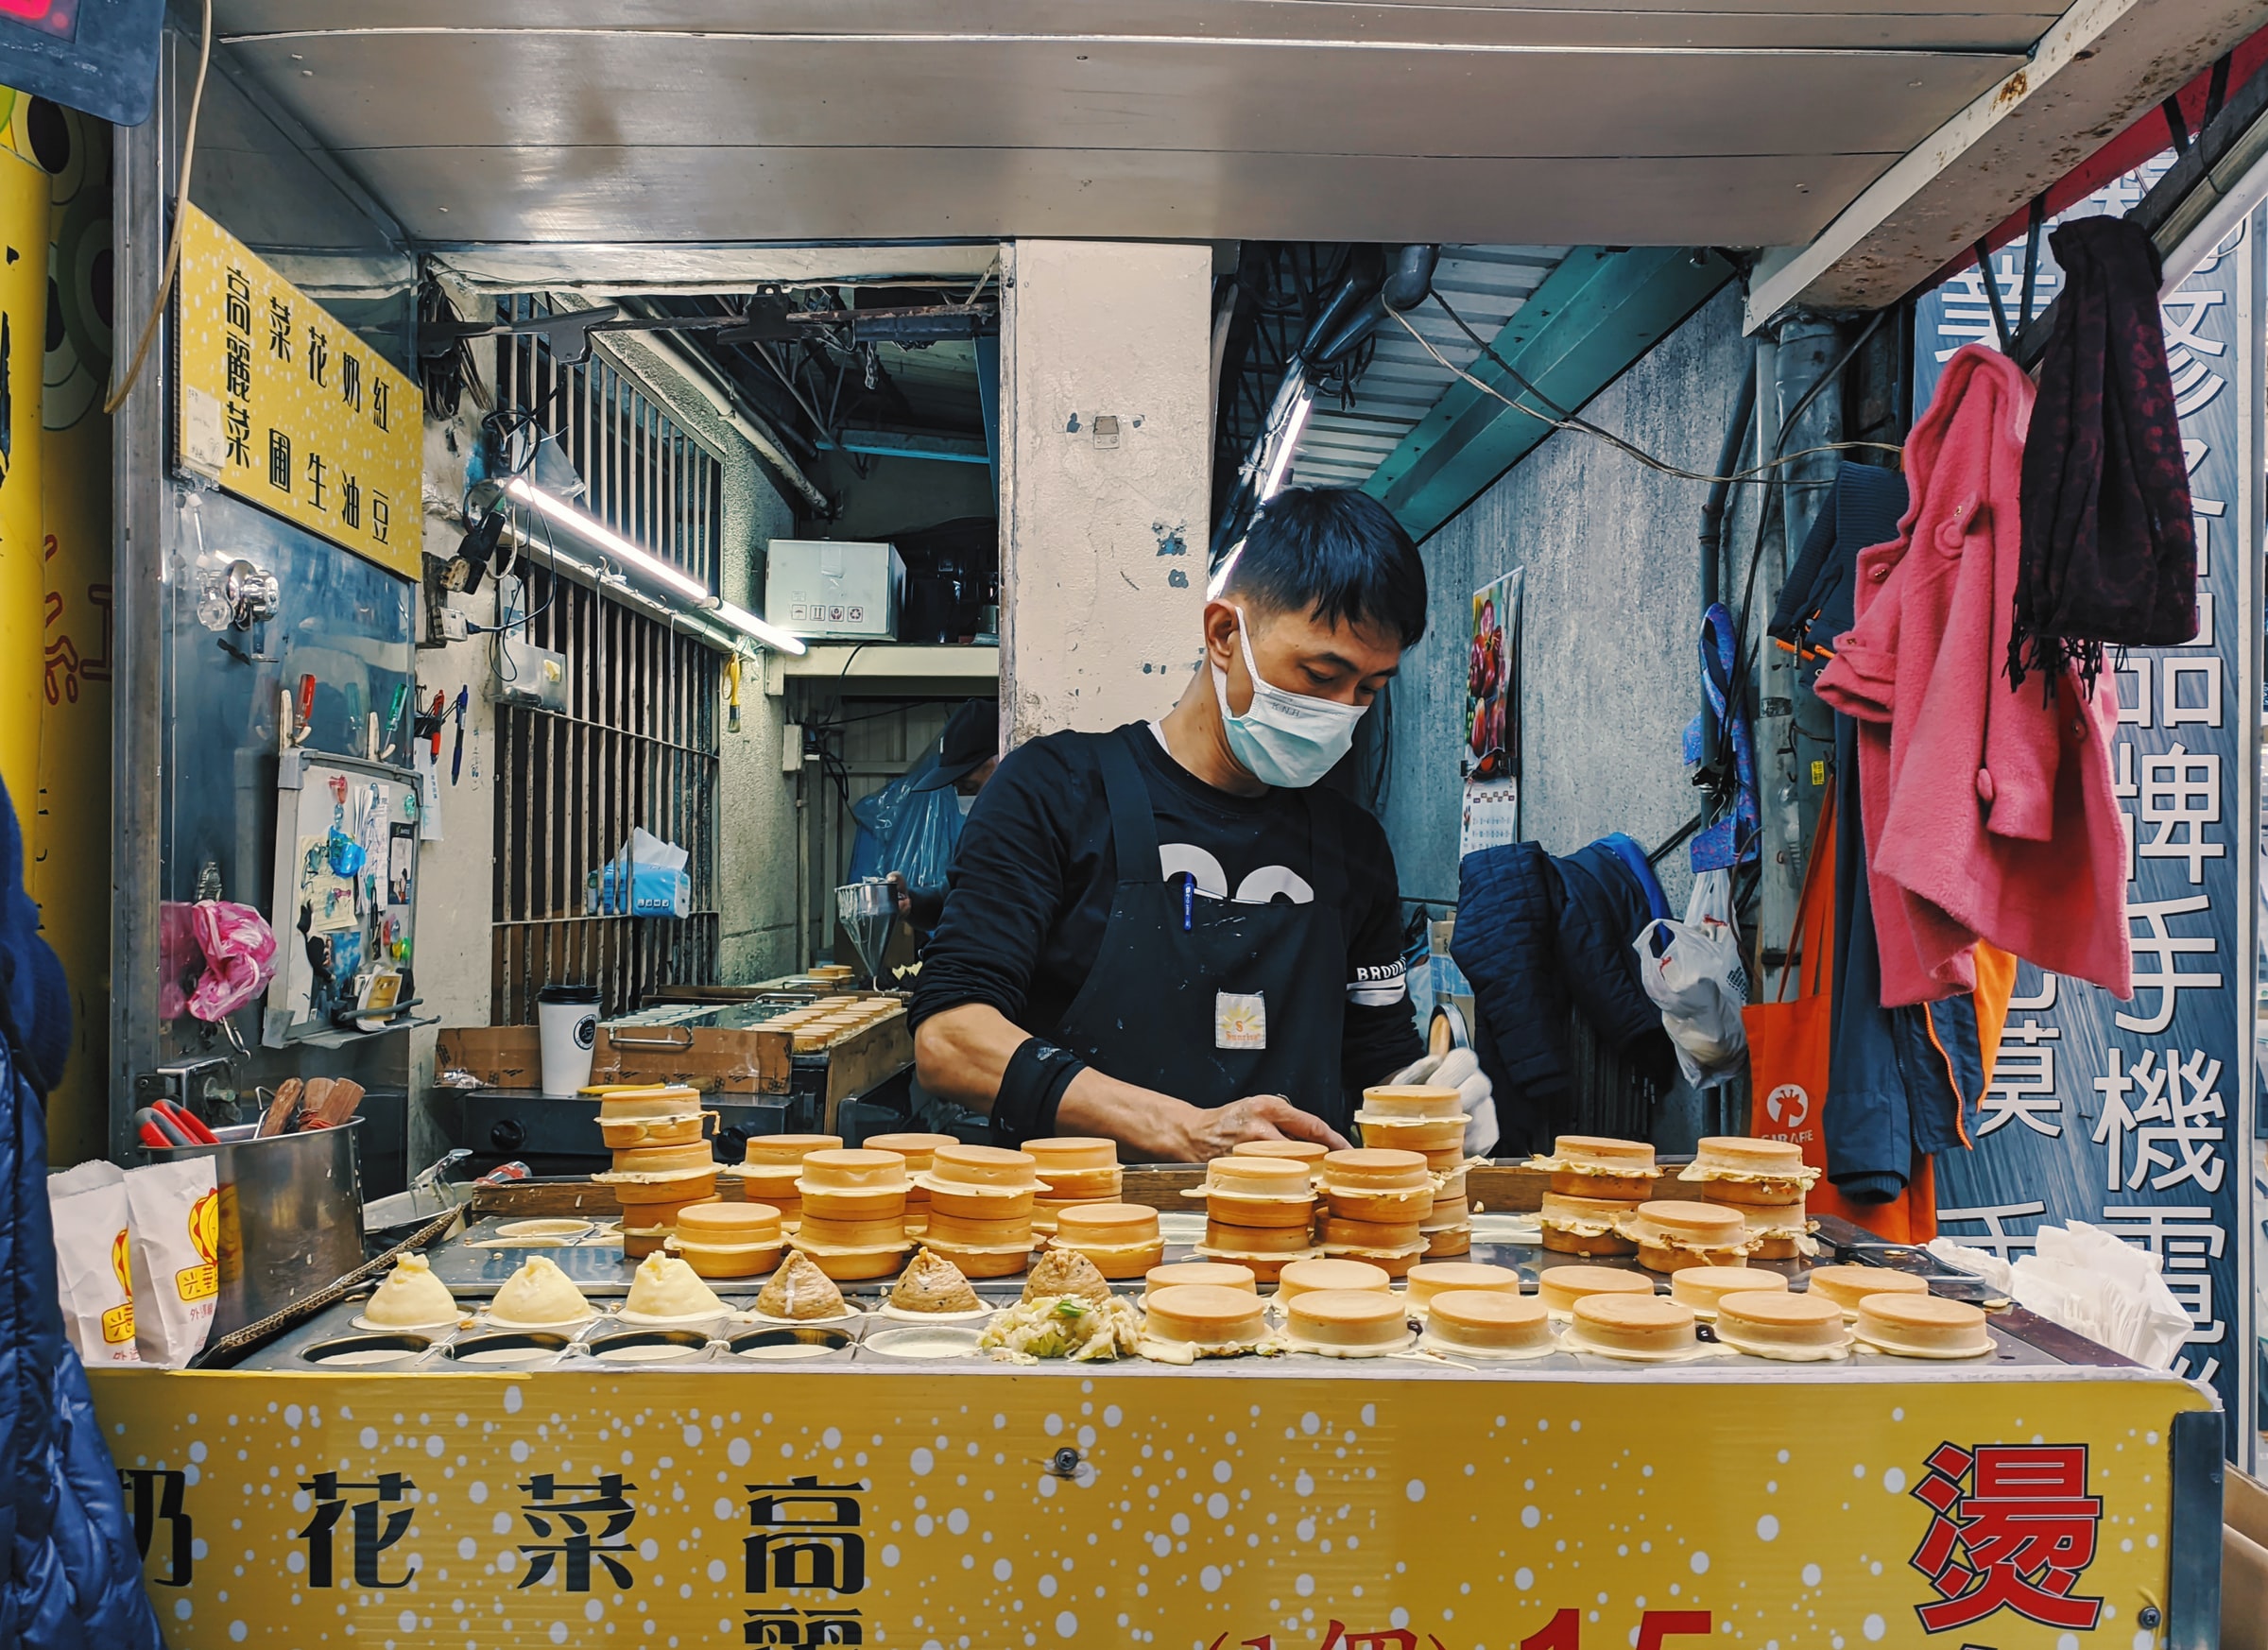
[[898, 894], [1206, 1135]]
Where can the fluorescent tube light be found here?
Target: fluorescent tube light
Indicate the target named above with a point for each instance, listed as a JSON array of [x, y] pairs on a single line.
[[603, 537]]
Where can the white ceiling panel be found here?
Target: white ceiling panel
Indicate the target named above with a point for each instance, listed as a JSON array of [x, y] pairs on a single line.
[[484, 124], [710, 195]]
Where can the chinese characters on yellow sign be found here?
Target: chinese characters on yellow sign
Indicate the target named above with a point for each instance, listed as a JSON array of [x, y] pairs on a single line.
[[283, 406]]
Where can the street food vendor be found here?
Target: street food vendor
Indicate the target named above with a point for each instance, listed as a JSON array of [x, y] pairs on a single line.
[[1171, 933]]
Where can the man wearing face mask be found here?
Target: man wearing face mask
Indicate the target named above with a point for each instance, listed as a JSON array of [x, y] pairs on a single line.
[[1169, 933]]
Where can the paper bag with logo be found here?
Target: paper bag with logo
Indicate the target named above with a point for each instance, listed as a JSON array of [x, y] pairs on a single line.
[[176, 1211], [92, 1268], [1789, 1038]]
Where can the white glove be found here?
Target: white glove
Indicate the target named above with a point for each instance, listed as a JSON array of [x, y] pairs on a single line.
[[1459, 1068]]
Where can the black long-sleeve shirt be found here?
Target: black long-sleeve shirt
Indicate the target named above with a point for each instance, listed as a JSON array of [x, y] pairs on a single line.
[[1032, 882]]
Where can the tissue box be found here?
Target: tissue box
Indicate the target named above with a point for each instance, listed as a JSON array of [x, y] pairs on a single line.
[[655, 891], [829, 586]]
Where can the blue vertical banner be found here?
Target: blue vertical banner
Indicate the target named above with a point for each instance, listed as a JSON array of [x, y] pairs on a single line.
[[2137, 1116]]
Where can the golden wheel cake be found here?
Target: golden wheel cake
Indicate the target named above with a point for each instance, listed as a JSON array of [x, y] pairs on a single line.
[[1702, 1287], [1585, 1165], [1309, 1152], [730, 1240], [1487, 1323], [1642, 1327], [1345, 1323], [1257, 1191], [778, 1150], [1423, 1135], [1849, 1285], [1195, 1319], [1215, 1273], [1431, 1278], [1077, 1168], [1584, 1225], [1121, 1239], [1672, 1235], [1922, 1326], [1778, 1324], [1374, 1184], [1560, 1287], [1740, 1169], [917, 1149], [1307, 1276]]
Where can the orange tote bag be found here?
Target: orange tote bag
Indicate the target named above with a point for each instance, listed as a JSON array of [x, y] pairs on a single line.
[[1789, 1038]]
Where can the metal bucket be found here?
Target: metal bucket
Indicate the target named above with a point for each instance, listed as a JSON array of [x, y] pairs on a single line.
[[291, 1216]]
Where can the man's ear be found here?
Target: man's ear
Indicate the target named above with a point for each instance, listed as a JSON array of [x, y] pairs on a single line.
[[1220, 632]]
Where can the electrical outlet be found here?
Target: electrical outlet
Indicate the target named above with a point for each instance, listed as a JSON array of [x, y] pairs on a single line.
[[791, 748], [452, 625]]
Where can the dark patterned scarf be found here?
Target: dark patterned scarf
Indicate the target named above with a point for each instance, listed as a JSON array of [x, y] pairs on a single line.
[[2109, 548]]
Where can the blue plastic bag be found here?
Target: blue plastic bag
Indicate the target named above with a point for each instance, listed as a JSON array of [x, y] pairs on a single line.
[[912, 833]]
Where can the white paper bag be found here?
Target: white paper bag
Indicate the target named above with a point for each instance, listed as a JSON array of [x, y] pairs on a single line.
[[175, 1216], [92, 1265]]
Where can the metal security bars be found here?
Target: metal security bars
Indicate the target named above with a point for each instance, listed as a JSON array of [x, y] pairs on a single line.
[[637, 744]]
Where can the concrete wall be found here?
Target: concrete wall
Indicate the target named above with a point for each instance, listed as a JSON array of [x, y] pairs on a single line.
[[1103, 529], [1612, 612], [899, 495]]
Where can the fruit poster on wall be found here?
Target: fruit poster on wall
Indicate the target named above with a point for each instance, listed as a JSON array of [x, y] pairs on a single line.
[[1489, 759]]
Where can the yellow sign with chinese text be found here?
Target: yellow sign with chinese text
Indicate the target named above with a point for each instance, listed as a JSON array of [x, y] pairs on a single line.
[[1048, 1507], [282, 404]]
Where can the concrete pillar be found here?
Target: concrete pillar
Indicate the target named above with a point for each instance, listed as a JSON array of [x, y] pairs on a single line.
[[1106, 417]]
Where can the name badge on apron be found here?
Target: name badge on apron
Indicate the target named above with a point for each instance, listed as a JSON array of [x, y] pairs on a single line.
[[1240, 1020]]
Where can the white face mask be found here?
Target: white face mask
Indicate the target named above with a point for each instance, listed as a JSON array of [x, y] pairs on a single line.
[[1286, 739]]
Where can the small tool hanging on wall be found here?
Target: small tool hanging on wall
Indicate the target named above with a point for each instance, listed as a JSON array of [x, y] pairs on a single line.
[[456, 752]]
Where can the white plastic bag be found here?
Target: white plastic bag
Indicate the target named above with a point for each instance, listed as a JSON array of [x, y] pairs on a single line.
[[2106, 1289], [92, 1247], [175, 1207], [1695, 977]]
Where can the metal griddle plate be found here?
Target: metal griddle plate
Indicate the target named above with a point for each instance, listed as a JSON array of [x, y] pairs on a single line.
[[2025, 1346]]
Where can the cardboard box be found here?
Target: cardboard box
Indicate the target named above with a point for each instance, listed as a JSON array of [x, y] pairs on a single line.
[[834, 588], [2243, 1562]]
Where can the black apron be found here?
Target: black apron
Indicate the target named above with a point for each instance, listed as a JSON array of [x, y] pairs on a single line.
[[1269, 981]]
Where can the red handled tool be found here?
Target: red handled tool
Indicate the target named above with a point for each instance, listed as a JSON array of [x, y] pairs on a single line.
[[169, 1135], [186, 1121]]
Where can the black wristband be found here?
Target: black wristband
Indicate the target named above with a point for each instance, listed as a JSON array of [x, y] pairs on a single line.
[[1030, 1091]]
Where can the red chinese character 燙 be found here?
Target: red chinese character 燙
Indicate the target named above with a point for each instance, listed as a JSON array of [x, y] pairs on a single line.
[[2012, 1528]]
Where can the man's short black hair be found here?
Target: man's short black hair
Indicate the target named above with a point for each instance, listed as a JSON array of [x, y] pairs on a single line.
[[1338, 554]]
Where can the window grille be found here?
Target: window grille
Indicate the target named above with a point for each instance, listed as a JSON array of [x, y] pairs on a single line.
[[637, 744]]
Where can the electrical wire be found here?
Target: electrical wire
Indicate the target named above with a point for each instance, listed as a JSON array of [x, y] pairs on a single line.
[[1560, 419], [180, 220]]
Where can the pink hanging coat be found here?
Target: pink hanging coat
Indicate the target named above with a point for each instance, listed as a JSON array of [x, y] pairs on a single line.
[[1989, 813]]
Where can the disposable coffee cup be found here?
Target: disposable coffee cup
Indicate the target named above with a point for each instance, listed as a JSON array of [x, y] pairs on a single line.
[[567, 1018]]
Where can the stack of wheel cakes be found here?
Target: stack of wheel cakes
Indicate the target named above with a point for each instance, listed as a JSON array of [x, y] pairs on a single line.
[[917, 1150], [854, 1214], [1074, 1169], [980, 1208], [662, 1163], [1764, 1179], [1430, 1122], [1259, 1213], [1597, 1184], [1375, 1204], [771, 1167]]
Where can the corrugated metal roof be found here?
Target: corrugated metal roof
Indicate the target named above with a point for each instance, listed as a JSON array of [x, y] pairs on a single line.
[[1486, 285]]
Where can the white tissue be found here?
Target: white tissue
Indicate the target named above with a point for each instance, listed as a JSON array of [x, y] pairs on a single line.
[[2091, 1283]]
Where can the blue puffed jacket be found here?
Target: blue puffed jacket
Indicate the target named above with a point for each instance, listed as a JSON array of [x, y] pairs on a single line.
[[1538, 937], [72, 1580]]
